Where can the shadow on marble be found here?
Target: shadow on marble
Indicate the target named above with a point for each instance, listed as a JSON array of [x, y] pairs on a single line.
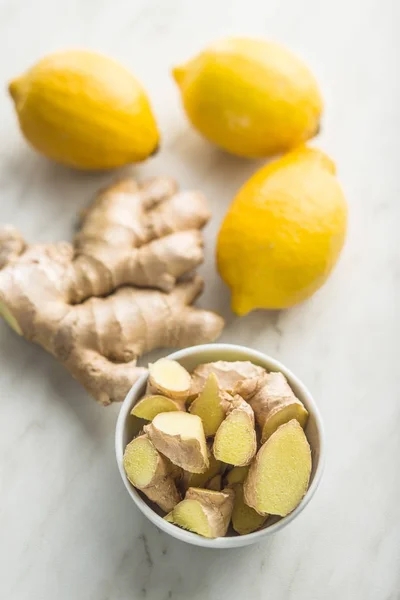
[[260, 329], [95, 419], [52, 193], [21, 359], [204, 159]]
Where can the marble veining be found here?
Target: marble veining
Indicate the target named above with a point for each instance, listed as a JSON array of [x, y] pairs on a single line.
[[67, 526]]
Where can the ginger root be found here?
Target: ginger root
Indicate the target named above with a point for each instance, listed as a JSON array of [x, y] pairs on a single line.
[[211, 405], [180, 437], [204, 512], [228, 374], [215, 483], [91, 305], [150, 406], [273, 402], [199, 480], [150, 472], [168, 377], [244, 518], [278, 477], [235, 442], [236, 475]]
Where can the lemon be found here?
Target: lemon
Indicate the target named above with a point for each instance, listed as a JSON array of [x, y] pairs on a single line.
[[85, 110], [250, 97], [283, 232]]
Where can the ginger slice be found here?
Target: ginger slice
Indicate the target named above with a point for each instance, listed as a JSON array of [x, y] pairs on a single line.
[[273, 402], [170, 378], [236, 475], [204, 512], [150, 472], [150, 406], [180, 437], [278, 477], [244, 518], [227, 373], [215, 483], [235, 442], [211, 405], [199, 480]]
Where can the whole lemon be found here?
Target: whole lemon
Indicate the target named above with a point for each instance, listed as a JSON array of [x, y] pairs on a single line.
[[250, 97], [85, 110], [283, 232]]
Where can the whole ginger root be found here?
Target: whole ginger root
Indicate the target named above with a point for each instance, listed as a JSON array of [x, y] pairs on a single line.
[[112, 295]]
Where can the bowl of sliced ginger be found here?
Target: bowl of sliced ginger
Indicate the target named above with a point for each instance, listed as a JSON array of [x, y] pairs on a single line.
[[220, 445]]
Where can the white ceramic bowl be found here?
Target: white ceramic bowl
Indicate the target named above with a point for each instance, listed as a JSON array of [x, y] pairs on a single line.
[[190, 358]]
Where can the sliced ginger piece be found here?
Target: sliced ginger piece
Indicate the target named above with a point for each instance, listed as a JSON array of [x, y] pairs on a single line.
[[199, 480], [143, 465], [215, 483], [204, 512], [169, 378], [150, 472], [228, 374], [235, 442], [150, 406], [244, 518], [180, 437], [211, 405], [273, 402], [284, 414], [278, 477], [236, 475]]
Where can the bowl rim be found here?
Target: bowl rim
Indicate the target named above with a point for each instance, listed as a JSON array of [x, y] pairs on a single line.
[[232, 541]]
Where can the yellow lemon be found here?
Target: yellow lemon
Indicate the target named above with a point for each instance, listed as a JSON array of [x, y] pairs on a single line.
[[85, 110], [283, 232], [250, 97]]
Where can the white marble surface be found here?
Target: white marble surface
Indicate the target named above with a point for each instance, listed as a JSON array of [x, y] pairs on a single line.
[[67, 526]]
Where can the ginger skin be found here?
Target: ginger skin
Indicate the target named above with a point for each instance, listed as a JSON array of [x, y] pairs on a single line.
[[215, 483], [180, 437], [199, 480], [151, 473], [228, 375], [80, 302], [273, 402], [205, 512]]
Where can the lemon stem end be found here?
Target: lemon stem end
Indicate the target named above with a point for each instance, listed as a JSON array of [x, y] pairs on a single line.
[[178, 73], [14, 89]]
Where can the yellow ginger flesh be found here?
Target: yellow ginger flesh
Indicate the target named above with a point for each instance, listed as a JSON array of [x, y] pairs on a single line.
[[244, 518], [235, 442], [170, 378], [210, 405], [150, 406], [279, 476], [204, 512]]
